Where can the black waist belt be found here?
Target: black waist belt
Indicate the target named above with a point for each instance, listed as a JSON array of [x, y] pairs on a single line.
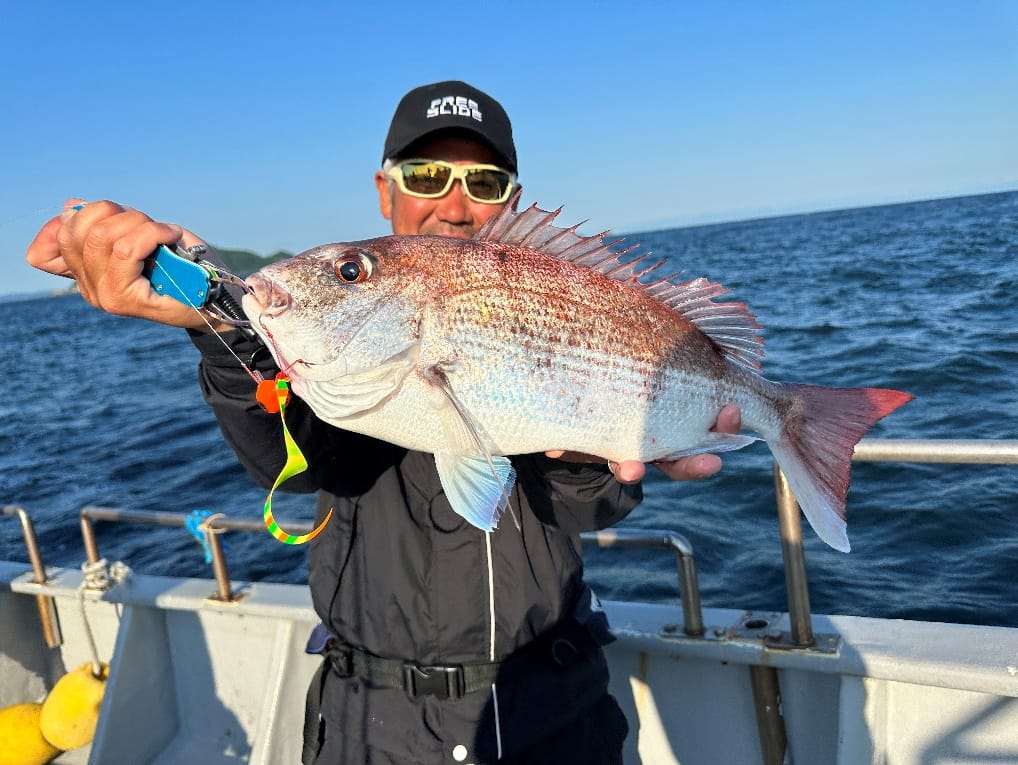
[[560, 647]]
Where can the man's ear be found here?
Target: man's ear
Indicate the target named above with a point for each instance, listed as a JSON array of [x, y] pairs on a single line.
[[384, 187]]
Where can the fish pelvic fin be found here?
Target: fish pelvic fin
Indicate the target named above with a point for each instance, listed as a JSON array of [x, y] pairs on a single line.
[[730, 326], [815, 445], [477, 487]]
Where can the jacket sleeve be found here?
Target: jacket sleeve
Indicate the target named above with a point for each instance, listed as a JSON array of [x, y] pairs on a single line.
[[255, 435], [576, 497]]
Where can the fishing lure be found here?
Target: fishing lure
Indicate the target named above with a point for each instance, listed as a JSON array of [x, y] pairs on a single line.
[[295, 460]]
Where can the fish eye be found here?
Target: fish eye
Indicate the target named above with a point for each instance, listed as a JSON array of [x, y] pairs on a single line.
[[350, 271], [354, 266]]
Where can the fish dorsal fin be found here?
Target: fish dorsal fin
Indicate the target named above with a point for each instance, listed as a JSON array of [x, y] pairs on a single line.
[[731, 326]]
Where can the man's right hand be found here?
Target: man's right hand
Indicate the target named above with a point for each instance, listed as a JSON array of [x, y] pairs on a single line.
[[103, 246]]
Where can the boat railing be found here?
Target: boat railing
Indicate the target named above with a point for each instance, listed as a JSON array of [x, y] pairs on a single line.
[[212, 527], [801, 634], [689, 590], [764, 679]]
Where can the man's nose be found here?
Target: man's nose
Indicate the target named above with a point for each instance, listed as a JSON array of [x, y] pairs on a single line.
[[454, 206]]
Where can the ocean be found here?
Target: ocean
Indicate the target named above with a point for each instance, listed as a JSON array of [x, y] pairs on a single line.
[[922, 296]]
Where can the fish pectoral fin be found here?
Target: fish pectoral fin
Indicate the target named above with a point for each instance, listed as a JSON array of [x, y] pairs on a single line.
[[462, 430], [714, 442], [477, 487]]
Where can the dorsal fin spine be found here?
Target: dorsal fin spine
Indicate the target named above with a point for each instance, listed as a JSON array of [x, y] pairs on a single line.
[[730, 326]]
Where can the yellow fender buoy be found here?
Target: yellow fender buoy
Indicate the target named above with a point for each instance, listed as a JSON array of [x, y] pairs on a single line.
[[21, 740], [71, 710]]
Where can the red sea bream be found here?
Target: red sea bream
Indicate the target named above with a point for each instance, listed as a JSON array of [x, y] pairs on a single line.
[[531, 338]]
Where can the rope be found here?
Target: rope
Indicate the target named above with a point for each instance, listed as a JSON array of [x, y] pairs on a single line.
[[197, 522], [98, 577]]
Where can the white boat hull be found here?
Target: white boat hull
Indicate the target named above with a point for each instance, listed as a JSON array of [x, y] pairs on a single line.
[[196, 680]]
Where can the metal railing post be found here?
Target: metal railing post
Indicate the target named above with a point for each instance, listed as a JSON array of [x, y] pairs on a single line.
[[48, 618], [223, 589], [769, 722], [88, 537], [689, 589], [795, 562]]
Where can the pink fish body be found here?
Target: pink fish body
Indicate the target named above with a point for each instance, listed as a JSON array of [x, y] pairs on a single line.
[[531, 338]]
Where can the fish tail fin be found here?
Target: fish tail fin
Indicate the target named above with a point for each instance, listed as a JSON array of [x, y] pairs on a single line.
[[815, 445]]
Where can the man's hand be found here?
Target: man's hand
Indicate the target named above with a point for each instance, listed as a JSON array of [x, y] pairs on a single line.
[[103, 247], [683, 469]]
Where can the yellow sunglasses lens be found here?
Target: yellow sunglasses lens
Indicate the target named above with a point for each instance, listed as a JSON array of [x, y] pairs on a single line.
[[431, 179], [487, 185]]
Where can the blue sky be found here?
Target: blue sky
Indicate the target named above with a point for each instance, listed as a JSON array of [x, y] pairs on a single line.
[[258, 125]]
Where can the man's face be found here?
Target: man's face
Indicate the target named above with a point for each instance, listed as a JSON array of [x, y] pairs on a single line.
[[454, 214]]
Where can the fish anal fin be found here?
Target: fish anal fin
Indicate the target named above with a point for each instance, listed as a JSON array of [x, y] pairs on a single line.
[[712, 443]]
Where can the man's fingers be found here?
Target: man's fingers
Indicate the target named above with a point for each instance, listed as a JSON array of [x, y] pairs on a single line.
[[729, 419], [628, 471], [44, 251], [80, 240], [691, 468], [129, 253]]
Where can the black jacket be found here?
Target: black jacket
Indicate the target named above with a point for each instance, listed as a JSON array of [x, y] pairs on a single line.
[[398, 574]]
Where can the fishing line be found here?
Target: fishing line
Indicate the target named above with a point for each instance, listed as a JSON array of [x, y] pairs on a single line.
[[30, 214], [254, 374]]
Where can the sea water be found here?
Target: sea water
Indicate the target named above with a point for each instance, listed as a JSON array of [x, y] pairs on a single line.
[[105, 411]]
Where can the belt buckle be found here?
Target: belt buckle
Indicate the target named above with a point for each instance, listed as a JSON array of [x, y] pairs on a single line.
[[442, 682]]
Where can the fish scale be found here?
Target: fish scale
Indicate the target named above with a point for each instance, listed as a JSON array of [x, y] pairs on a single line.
[[532, 338]]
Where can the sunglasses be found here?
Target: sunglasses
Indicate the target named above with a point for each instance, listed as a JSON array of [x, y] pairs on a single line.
[[432, 178]]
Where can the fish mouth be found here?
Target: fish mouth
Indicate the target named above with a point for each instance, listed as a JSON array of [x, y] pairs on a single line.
[[266, 301]]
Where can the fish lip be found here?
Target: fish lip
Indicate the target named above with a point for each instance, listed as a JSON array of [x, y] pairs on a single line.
[[271, 297]]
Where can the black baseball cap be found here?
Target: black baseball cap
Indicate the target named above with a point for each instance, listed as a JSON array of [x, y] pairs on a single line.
[[450, 104]]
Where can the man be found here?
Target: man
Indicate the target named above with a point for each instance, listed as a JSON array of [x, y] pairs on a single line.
[[444, 643]]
